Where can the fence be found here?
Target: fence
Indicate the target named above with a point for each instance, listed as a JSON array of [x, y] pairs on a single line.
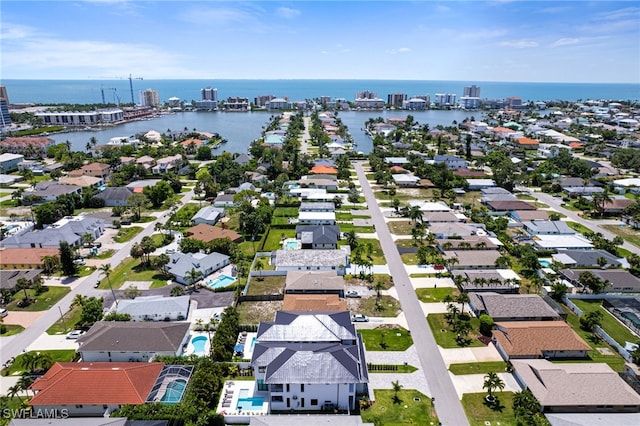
[[597, 330], [260, 298]]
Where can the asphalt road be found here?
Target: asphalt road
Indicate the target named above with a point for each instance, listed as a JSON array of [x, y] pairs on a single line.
[[14, 345], [556, 204], [448, 406]]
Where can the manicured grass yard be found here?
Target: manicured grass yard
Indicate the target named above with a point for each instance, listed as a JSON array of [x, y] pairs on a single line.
[[266, 285], [386, 338], [105, 254], [71, 318], [376, 250], [388, 307], [430, 295], [478, 367], [43, 302], [409, 258], [12, 329], [57, 355], [286, 212], [274, 238], [126, 234], [626, 232], [578, 227], [419, 409], [130, 270], [400, 227], [610, 324], [479, 412], [447, 338]]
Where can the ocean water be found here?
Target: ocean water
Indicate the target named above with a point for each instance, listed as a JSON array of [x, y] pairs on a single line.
[[240, 129]]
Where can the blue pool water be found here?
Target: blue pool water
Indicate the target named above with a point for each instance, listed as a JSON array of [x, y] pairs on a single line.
[[221, 281], [291, 245], [198, 343], [544, 263], [11, 226], [174, 391], [249, 404]]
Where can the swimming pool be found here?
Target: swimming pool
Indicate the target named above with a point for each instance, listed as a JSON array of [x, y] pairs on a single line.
[[250, 404], [221, 281], [544, 263], [174, 391], [198, 343]]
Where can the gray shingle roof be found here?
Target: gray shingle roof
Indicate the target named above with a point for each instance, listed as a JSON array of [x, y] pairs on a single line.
[[151, 305], [512, 306], [318, 234], [308, 327], [134, 336], [181, 263], [293, 258]]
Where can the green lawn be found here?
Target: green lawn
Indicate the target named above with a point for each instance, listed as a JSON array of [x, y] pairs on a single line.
[[430, 295], [57, 355], [130, 270], [105, 254], [626, 232], [411, 408], [447, 338], [12, 329], [400, 227], [478, 367], [43, 301], [479, 413], [386, 338], [610, 324], [376, 250], [266, 285], [274, 238], [286, 212], [388, 307], [578, 227], [344, 216], [409, 258], [386, 280], [126, 234], [71, 318]]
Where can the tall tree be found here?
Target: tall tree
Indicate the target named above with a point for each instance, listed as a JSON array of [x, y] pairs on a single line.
[[66, 259], [492, 382]]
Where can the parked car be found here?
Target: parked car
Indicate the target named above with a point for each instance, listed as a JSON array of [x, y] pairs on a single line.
[[79, 262], [97, 244], [3, 312], [359, 318], [170, 251], [352, 293], [125, 222], [75, 334]]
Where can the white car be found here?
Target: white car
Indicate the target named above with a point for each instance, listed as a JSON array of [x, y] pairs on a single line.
[[359, 318], [3, 312], [79, 262], [75, 334], [352, 294]]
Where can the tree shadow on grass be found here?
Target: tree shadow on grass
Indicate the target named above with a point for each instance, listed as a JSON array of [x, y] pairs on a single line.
[[495, 405]]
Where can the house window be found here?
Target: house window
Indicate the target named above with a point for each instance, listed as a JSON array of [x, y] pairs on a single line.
[[350, 387], [262, 386], [276, 399], [287, 387], [78, 405], [277, 388], [314, 402], [302, 402], [262, 369]]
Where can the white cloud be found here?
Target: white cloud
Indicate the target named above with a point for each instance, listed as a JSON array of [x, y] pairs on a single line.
[[481, 34], [565, 42], [10, 31], [615, 15], [520, 44], [288, 13], [400, 50]]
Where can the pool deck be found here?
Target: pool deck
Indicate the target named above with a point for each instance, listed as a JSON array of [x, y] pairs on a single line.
[[227, 270], [229, 400], [190, 348]]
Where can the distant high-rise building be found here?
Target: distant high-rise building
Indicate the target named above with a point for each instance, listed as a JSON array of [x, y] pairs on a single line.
[[209, 94], [5, 117], [366, 95], [149, 98], [472, 91], [396, 99], [262, 100], [445, 99]]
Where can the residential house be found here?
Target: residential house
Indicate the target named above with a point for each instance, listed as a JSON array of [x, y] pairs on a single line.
[[396, 161], [451, 161], [317, 218], [139, 185], [70, 230], [115, 196], [30, 147], [84, 181], [488, 280], [473, 242], [25, 258], [50, 190], [243, 159], [538, 339], [529, 215], [314, 303], [167, 164], [509, 206], [95, 389], [181, 265], [620, 280], [318, 236], [439, 217], [325, 170], [310, 362], [224, 200], [478, 184], [207, 233], [617, 205], [512, 307], [9, 162], [472, 259], [405, 180], [146, 161], [527, 143], [99, 170], [559, 242], [118, 341], [311, 260], [208, 215], [314, 282], [9, 277], [444, 230], [547, 227], [155, 308], [587, 258], [576, 387], [306, 206]]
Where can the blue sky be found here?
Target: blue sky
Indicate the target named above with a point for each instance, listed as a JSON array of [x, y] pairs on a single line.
[[527, 41]]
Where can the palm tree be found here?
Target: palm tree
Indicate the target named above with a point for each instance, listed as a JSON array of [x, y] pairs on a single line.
[[352, 239], [78, 300], [462, 298], [24, 284], [14, 391], [193, 276], [397, 387], [259, 266], [379, 286], [106, 270], [24, 382], [415, 214], [491, 383]]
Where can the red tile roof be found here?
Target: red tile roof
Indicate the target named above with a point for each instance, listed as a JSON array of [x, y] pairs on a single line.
[[25, 256], [94, 383], [324, 170], [208, 233], [527, 141]]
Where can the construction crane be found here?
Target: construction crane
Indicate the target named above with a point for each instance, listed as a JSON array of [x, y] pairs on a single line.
[[131, 78], [102, 89]]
